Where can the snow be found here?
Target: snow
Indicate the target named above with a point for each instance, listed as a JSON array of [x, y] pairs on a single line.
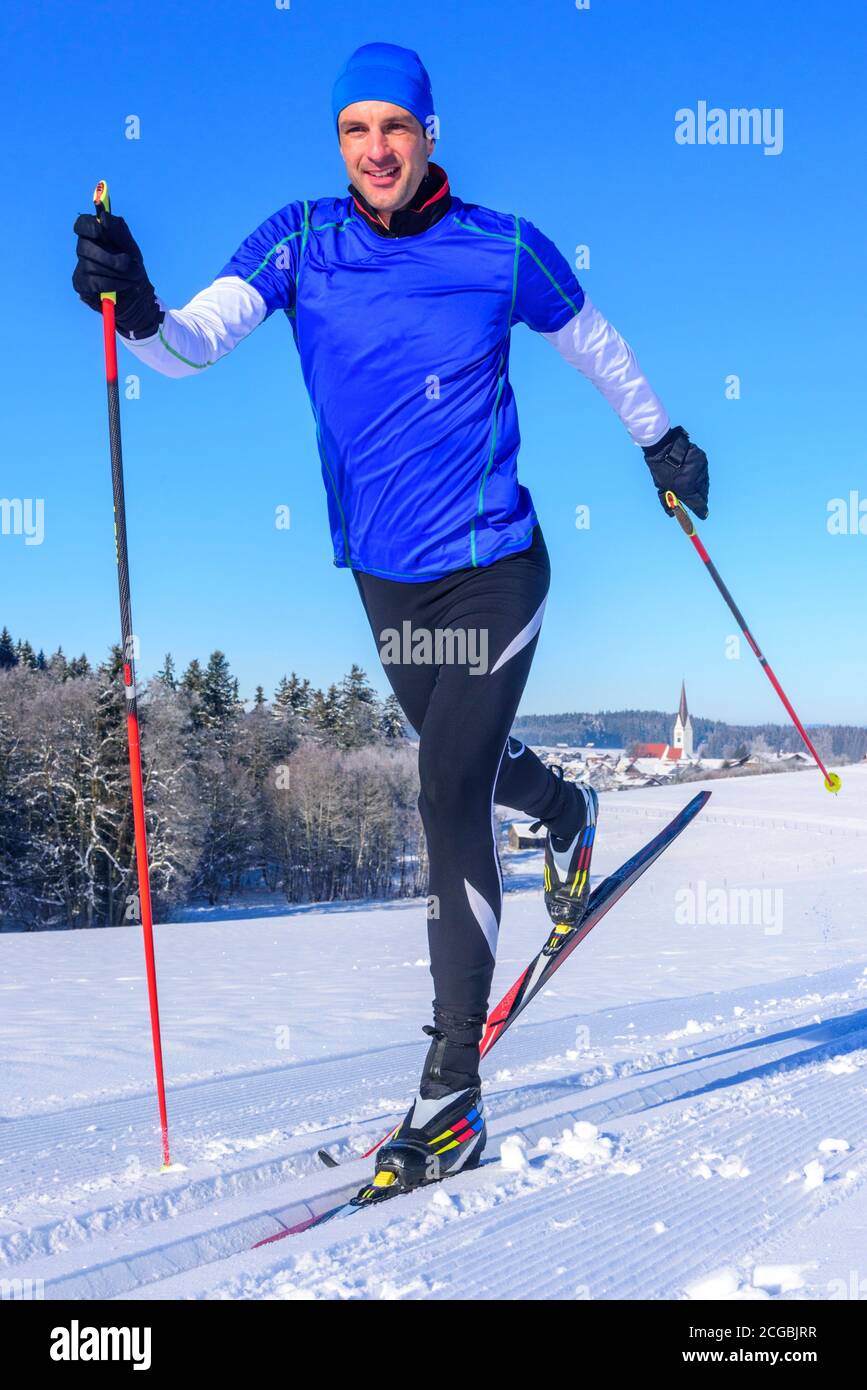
[[681, 1114]]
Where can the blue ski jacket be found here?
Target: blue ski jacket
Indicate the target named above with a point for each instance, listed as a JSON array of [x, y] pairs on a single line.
[[404, 348]]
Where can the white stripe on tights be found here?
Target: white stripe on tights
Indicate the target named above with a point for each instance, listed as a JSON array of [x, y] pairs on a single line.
[[485, 916], [497, 863], [524, 636]]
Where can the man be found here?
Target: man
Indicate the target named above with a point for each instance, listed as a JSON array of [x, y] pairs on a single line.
[[401, 299]]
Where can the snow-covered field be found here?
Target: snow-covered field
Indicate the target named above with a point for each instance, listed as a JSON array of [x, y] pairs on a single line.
[[683, 1113]]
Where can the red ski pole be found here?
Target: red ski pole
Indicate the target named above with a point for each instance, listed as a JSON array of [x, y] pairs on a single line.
[[832, 779], [101, 200]]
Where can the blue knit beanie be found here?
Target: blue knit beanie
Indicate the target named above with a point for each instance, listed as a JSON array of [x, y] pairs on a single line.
[[384, 72]]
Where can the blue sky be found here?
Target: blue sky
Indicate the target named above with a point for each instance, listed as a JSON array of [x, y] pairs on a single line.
[[711, 260]]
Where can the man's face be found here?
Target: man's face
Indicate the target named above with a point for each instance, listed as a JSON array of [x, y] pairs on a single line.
[[385, 150]]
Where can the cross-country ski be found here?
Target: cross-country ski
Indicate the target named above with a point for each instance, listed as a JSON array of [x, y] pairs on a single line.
[[447, 1133]]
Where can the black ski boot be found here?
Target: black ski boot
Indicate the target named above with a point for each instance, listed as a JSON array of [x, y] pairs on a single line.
[[443, 1131], [567, 864]]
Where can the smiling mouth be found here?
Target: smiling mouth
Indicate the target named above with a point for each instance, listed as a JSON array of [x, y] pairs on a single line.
[[383, 178]]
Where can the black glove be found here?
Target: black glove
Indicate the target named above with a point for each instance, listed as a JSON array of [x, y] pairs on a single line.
[[681, 467], [109, 260]]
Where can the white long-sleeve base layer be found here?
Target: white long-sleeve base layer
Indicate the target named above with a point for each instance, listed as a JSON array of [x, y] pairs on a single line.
[[593, 346]]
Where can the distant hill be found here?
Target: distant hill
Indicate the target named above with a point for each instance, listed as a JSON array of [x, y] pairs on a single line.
[[712, 737]]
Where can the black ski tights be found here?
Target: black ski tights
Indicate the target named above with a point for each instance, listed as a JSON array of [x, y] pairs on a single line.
[[457, 652]]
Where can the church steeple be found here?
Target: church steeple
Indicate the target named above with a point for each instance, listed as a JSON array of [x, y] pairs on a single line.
[[682, 736]]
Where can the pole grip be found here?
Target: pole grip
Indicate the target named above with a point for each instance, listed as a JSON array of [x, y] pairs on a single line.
[[680, 513], [102, 203]]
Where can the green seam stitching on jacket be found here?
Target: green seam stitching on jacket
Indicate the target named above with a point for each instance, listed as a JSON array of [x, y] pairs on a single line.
[[500, 386], [517, 239], [199, 366], [276, 247], [515, 269], [333, 489], [515, 549], [302, 232], [481, 506], [545, 271], [470, 227]]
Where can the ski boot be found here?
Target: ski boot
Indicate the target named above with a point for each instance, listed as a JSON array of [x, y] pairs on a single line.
[[443, 1131], [436, 1139], [567, 865]]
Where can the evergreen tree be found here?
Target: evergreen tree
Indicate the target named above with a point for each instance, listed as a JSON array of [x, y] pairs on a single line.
[[26, 655], [295, 695], [192, 685], [391, 722], [259, 697], [79, 666], [219, 693], [41, 662], [167, 674], [358, 710], [326, 713], [8, 654], [57, 664], [193, 678]]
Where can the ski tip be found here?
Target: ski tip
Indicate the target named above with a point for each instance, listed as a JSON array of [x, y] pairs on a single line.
[[325, 1157]]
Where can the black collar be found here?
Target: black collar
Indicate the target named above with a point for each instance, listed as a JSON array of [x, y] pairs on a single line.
[[431, 201]]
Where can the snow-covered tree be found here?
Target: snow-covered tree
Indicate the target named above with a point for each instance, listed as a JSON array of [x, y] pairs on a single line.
[[26, 655], [391, 720], [219, 693], [323, 806], [325, 713], [357, 722], [293, 694], [192, 683], [57, 664], [176, 818]]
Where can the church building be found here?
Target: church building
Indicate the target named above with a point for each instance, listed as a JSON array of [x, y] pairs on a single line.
[[681, 746]]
